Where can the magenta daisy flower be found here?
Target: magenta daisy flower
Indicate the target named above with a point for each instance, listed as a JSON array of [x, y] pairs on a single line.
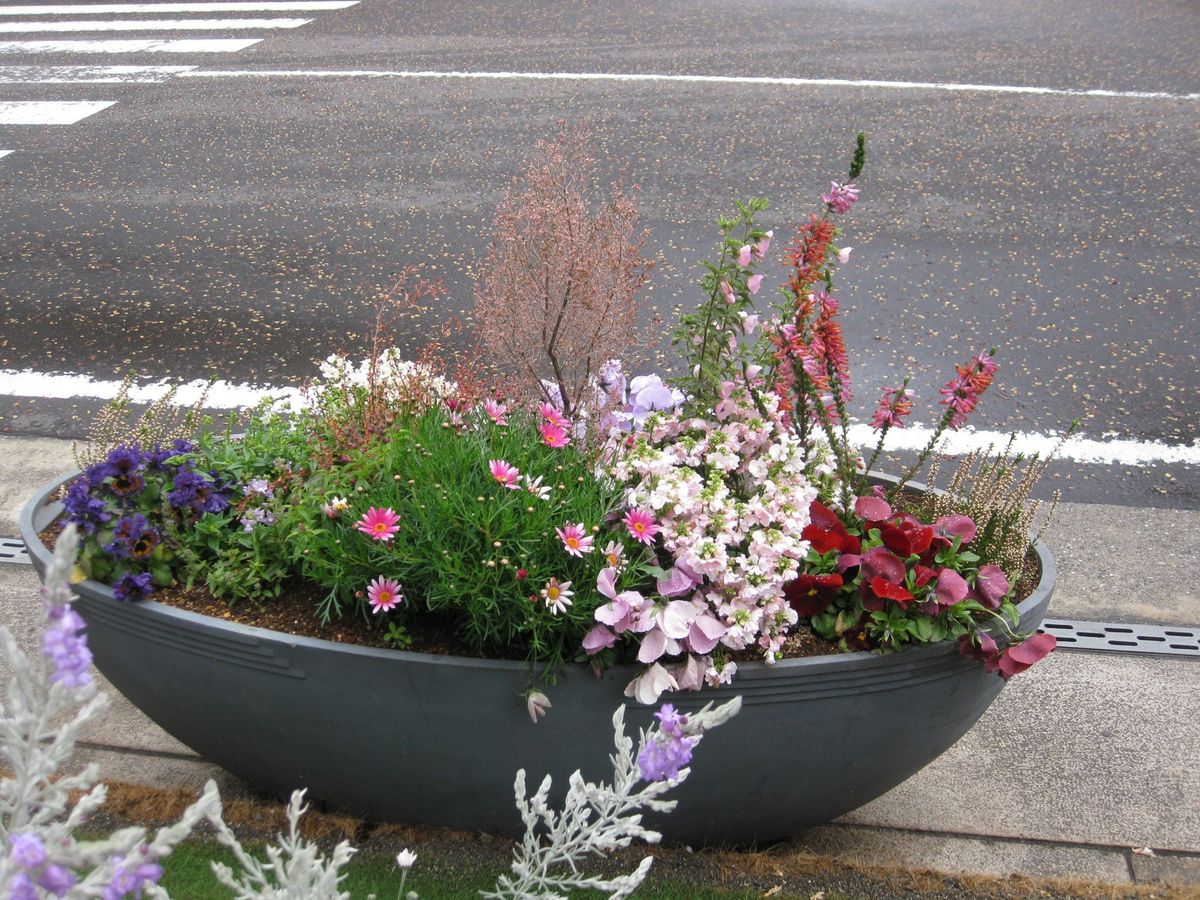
[[552, 415], [379, 524], [641, 526], [554, 435], [505, 473], [576, 540], [496, 411], [384, 594]]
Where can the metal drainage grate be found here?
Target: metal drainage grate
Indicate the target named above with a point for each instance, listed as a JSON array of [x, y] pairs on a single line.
[[1169, 640], [12, 550]]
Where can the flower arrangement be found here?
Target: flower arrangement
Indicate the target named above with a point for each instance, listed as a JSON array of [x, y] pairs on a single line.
[[562, 510]]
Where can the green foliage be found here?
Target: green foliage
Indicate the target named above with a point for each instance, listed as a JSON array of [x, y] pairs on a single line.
[[468, 549]]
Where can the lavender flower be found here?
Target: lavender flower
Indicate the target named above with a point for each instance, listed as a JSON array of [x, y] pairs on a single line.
[[27, 850], [669, 750], [259, 486], [64, 645], [56, 879], [256, 517], [131, 876]]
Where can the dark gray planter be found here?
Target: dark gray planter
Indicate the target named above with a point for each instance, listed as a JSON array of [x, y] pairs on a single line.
[[409, 737]]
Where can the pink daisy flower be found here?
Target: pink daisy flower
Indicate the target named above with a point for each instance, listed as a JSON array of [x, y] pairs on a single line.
[[379, 524], [555, 417], [496, 411], [641, 525], [554, 435], [384, 594], [505, 473], [576, 540]]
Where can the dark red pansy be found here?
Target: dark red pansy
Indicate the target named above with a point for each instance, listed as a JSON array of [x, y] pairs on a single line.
[[811, 595], [1016, 658], [951, 588], [880, 589], [923, 575], [983, 648], [821, 539], [880, 561], [824, 517], [873, 509]]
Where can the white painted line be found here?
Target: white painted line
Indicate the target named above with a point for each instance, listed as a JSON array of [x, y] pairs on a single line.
[[4, 153], [46, 112], [107, 9], [695, 79], [1110, 449], [151, 25], [152, 45], [89, 74]]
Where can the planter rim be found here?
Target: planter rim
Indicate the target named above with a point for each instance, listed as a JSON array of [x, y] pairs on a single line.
[[42, 557]]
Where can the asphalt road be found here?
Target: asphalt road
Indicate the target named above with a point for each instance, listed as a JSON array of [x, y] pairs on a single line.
[[235, 218]]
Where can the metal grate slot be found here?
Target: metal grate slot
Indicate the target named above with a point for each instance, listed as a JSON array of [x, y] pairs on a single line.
[[1121, 638], [12, 550]]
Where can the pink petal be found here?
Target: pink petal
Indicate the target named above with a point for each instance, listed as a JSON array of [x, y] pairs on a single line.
[[873, 509], [951, 588], [653, 646], [599, 638], [677, 618], [675, 583], [753, 283], [706, 632]]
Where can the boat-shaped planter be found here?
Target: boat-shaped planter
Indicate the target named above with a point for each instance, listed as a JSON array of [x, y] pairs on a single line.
[[408, 737]]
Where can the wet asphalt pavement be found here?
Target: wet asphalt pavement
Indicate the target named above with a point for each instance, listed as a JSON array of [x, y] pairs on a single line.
[[236, 225]]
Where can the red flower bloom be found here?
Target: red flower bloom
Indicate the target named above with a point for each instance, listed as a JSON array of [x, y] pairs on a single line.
[[810, 595], [1016, 658]]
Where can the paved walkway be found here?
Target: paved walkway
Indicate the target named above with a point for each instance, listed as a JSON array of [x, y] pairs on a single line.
[[1082, 760]]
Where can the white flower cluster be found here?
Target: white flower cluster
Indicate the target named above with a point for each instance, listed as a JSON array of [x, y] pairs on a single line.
[[730, 498], [396, 377]]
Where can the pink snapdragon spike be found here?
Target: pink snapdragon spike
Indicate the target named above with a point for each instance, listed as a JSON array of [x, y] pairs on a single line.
[[575, 538], [379, 524], [763, 245], [727, 293], [753, 283], [384, 594], [841, 196], [961, 394], [894, 405], [506, 475], [496, 411], [641, 526], [554, 416], [744, 255], [554, 435]]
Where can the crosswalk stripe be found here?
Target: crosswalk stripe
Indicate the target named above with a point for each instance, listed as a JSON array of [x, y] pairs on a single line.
[[135, 45], [105, 9], [151, 25], [4, 153], [89, 74], [49, 112]]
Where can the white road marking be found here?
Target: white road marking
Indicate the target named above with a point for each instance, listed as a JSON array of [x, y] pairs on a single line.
[[4, 153], [1108, 449], [696, 79], [151, 25], [107, 9], [89, 74], [152, 45], [49, 112]]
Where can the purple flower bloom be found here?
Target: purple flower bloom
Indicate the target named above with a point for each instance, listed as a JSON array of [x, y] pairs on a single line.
[[123, 460], [670, 721], [130, 586], [259, 486], [130, 877], [65, 645], [256, 517], [661, 759], [56, 879], [84, 510], [27, 850], [194, 490], [21, 888]]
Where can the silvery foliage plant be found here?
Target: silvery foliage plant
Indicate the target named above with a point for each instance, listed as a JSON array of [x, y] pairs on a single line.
[[599, 818], [48, 703], [51, 700]]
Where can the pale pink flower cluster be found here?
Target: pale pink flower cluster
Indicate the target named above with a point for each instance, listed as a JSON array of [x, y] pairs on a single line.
[[730, 497]]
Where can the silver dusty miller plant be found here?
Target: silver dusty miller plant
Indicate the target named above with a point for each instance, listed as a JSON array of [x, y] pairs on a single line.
[[599, 818], [47, 705], [49, 702]]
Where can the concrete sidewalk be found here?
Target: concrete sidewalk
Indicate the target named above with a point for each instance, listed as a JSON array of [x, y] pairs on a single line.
[[1081, 760]]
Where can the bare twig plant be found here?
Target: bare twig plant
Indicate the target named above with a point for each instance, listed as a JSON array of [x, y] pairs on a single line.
[[559, 292]]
